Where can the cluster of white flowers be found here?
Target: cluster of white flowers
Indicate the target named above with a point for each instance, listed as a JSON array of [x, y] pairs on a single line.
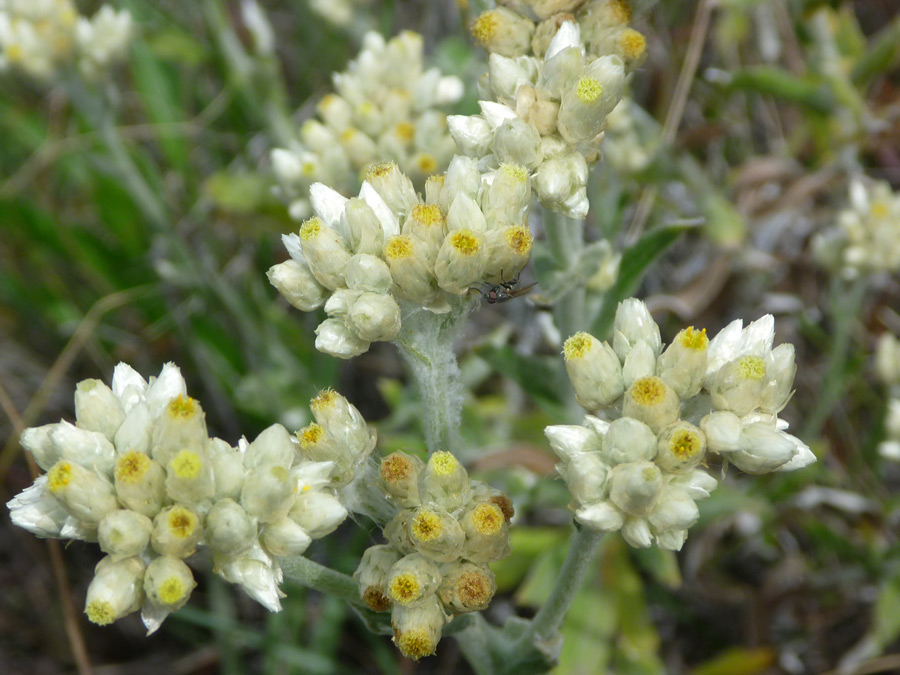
[[385, 108], [887, 365], [361, 257], [635, 464], [550, 87], [139, 474], [864, 239], [446, 530], [40, 36]]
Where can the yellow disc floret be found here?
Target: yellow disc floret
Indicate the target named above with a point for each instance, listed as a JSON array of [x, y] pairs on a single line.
[[443, 463], [588, 89], [100, 612], [186, 464], [577, 346], [426, 526], [398, 247], [632, 43], [375, 599], [473, 589], [405, 588], [519, 239], [182, 521], [752, 367], [694, 339], [396, 468], [648, 391], [685, 443], [415, 643], [310, 229], [172, 591], [59, 476], [426, 162], [182, 406], [310, 435], [380, 170], [131, 467], [485, 27], [324, 399], [428, 214], [515, 171], [487, 518], [405, 131], [465, 242]]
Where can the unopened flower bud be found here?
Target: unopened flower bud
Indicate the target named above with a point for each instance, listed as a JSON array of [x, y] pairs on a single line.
[[168, 583], [394, 187], [683, 365], [85, 494], [443, 481], [887, 359], [268, 493], [367, 272], [229, 529], [682, 447], [738, 386], [182, 426], [585, 475], [397, 532], [413, 280], [136, 432], [600, 516], [472, 134], [365, 232], [653, 402], [372, 576], [632, 324], [640, 362], [467, 587], [487, 534], [228, 470], [97, 408], [570, 440], [518, 142], [503, 31], [400, 476], [140, 483], [560, 184], [116, 590], [296, 283], [461, 261], [374, 317], [412, 579], [176, 531], [284, 537], [325, 252], [629, 440], [722, 430], [436, 534], [763, 449], [594, 370], [334, 338], [38, 441], [635, 487], [123, 534], [319, 513], [780, 370]]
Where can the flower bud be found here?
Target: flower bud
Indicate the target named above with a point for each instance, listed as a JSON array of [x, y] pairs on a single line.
[[334, 338], [136, 432], [594, 371], [115, 590], [176, 531], [410, 270], [463, 176], [38, 441], [780, 369], [268, 493], [284, 537], [325, 252], [296, 283], [397, 532], [417, 629], [123, 534], [412, 579], [140, 483], [600, 516], [229, 529], [632, 324], [443, 481], [547, 8], [272, 446], [503, 31], [508, 250], [763, 448], [86, 495], [344, 423], [182, 426], [570, 440], [400, 477], [461, 261], [636, 532], [635, 487], [364, 230], [675, 511], [253, 571], [585, 475], [395, 188], [585, 105], [560, 184], [168, 583], [467, 587], [487, 534], [682, 447], [629, 440], [319, 513], [90, 449], [697, 483], [640, 362], [722, 430], [738, 386], [97, 408], [471, 133], [546, 31], [372, 576], [683, 365], [508, 196], [653, 402], [436, 534], [374, 317], [189, 478], [367, 272], [518, 142]]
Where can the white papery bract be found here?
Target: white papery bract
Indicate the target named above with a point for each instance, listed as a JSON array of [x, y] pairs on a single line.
[[41, 36], [635, 465], [139, 473], [362, 257], [386, 107]]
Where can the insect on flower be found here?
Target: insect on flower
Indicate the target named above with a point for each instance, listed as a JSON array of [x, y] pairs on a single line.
[[505, 290]]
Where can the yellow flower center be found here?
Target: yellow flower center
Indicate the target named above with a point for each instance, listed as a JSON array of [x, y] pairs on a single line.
[[398, 247], [485, 27], [182, 522], [443, 463], [186, 464], [880, 210], [172, 591], [465, 242], [59, 476], [348, 134], [324, 399], [694, 339], [473, 589], [519, 239], [100, 612], [577, 346], [380, 170], [131, 467], [405, 131], [426, 526], [310, 435], [487, 518], [752, 367], [426, 163], [428, 214], [588, 90], [375, 599], [415, 643], [182, 406], [633, 44], [515, 171], [310, 229], [396, 468], [405, 588], [648, 391], [685, 443]]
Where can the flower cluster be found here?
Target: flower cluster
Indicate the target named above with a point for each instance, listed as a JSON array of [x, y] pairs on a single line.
[[39, 36], [139, 474], [359, 257], [446, 530], [636, 465], [385, 108], [550, 86], [864, 240], [887, 366]]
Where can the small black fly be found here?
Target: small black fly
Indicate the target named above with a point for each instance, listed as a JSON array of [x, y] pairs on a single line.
[[505, 290]]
